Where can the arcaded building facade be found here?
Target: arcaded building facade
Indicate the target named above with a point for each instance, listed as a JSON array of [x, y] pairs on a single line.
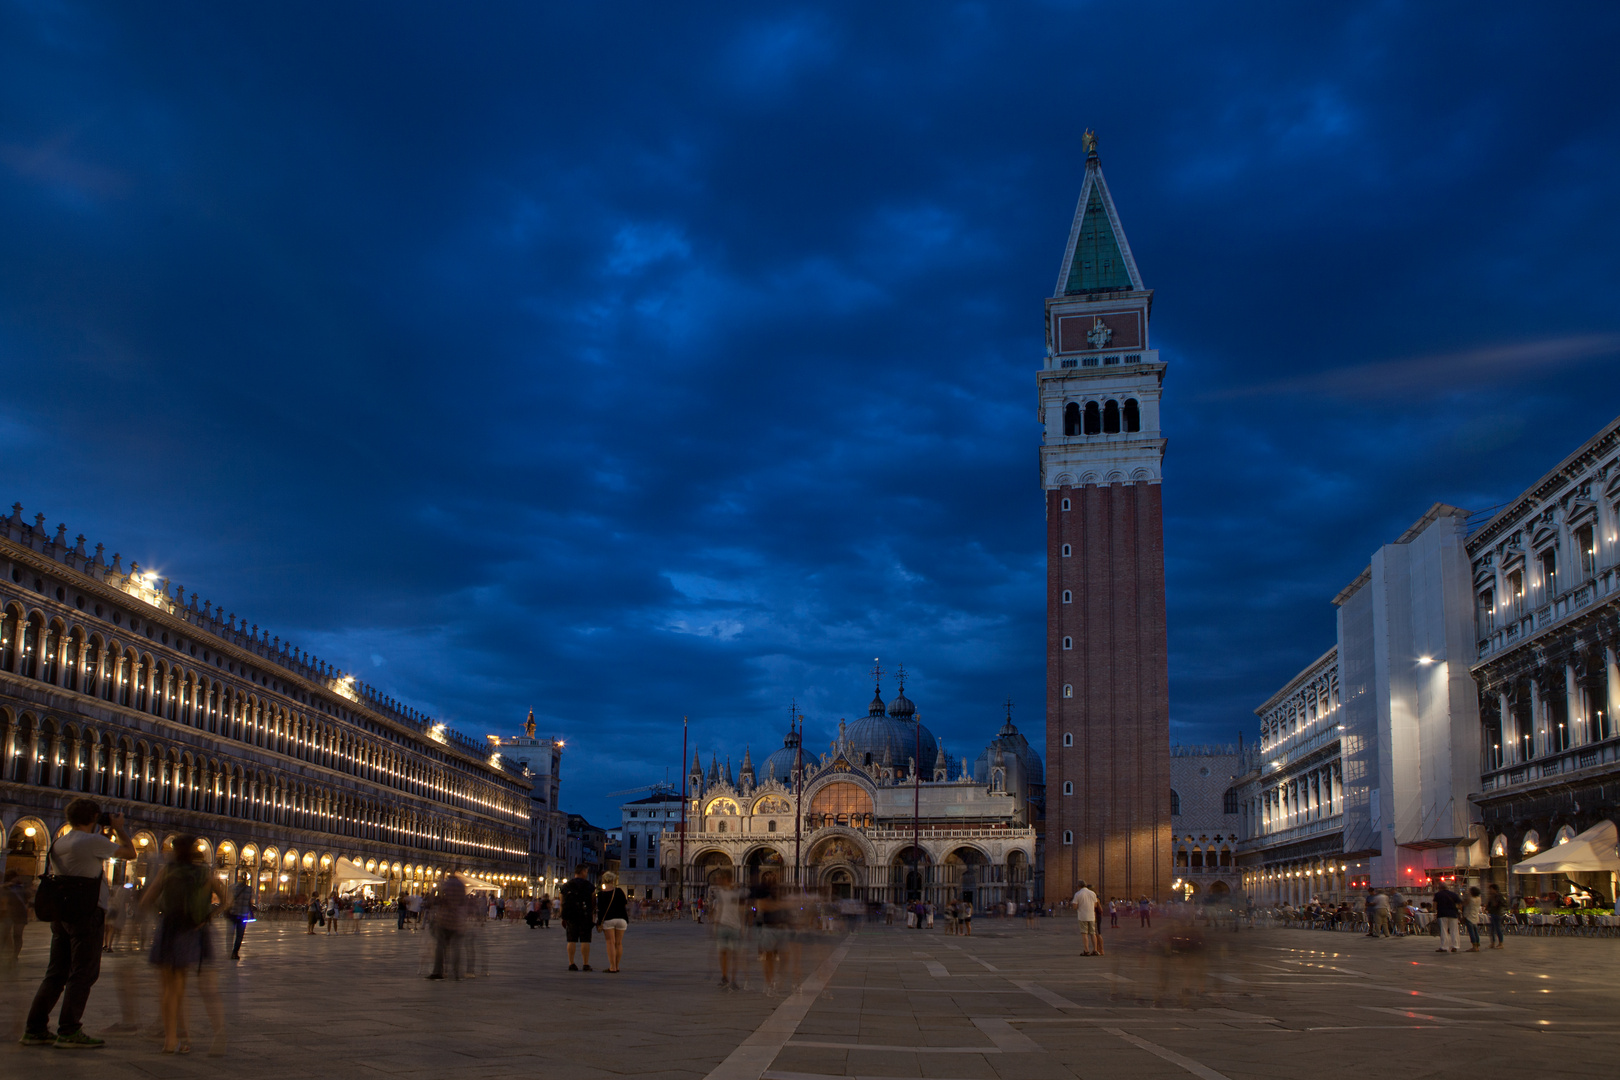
[[1546, 603], [114, 684], [1107, 728]]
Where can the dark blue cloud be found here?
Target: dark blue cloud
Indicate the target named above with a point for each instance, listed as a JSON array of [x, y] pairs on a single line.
[[636, 363]]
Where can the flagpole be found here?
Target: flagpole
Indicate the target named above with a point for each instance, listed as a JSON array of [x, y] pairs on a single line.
[[798, 794], [680, 896]]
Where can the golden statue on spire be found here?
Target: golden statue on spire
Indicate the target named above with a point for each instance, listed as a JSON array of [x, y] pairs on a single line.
[[1089, 141]]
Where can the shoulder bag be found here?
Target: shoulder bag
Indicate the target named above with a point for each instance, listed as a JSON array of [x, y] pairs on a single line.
[[64, 897]]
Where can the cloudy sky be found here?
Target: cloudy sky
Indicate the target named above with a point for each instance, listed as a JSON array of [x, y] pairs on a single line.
[[629, 362]]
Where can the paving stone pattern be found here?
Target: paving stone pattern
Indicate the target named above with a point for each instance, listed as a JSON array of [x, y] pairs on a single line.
[[1008, 1003]]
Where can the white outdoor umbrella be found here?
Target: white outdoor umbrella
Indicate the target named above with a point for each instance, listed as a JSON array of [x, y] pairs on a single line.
[[1593, 850], [475, 884]]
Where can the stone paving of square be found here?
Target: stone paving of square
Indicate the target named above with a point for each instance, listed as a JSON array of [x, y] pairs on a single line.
[[1008, 1003]]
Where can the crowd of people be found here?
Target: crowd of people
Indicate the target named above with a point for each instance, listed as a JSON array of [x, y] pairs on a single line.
[[1392, 913], [170, 917]]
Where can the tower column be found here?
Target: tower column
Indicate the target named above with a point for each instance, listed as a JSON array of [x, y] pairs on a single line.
[[1101, 462]]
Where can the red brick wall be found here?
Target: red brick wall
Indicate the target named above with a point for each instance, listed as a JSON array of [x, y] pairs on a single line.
[[1119, 714]]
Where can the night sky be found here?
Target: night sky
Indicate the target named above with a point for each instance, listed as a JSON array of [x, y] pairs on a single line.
[[629, 362]]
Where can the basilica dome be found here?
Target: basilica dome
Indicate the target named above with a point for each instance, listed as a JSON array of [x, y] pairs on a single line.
[[1009, 740], [779, 766]]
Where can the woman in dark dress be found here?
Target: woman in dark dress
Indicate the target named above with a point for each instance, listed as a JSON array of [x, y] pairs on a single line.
[[185, 897]]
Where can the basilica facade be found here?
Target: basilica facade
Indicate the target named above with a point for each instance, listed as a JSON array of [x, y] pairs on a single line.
[[882, 815]]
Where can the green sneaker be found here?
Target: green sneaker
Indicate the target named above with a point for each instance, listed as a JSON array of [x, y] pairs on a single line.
[[44, 1038], [79, 1041]]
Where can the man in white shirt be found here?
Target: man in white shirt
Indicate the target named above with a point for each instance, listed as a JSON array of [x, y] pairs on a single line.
[[75, 961], [1085, 909]]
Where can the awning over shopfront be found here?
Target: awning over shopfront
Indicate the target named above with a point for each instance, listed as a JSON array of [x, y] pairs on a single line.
[[349, 875], [478, 884], [1592, 851]]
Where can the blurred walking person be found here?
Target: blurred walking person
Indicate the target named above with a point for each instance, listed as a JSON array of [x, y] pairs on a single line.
[[1496, 908], [728, 929], [449, 916], [612, 918], [578, 913], [184, 896], [13, 918], [77, 902], [1471, 911], [769, 928], [240, 912]]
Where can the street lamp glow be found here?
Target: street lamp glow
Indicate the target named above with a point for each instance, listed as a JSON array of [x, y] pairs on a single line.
[[1425, 660]]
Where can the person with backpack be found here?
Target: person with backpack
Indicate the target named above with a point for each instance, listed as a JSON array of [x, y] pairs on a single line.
[[73, 897], [183, 896], [241, 912]]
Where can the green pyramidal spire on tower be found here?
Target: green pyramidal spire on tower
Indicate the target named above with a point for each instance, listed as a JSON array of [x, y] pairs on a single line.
[[1098, 257], [1097, 265]]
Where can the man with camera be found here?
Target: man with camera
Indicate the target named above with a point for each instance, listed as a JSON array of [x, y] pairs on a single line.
[[73, 896]]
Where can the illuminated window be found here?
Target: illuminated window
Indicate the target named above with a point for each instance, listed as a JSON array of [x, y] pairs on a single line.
[[1068, 690], [841, 804]]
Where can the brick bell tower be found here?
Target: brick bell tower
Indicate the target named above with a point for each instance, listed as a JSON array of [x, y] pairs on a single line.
[[1107, 704]]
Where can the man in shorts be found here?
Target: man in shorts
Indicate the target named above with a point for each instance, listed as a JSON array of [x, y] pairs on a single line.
[[1085, 909], [578, 913]]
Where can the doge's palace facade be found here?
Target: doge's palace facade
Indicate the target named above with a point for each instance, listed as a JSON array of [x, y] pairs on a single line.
[[162, 706]]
